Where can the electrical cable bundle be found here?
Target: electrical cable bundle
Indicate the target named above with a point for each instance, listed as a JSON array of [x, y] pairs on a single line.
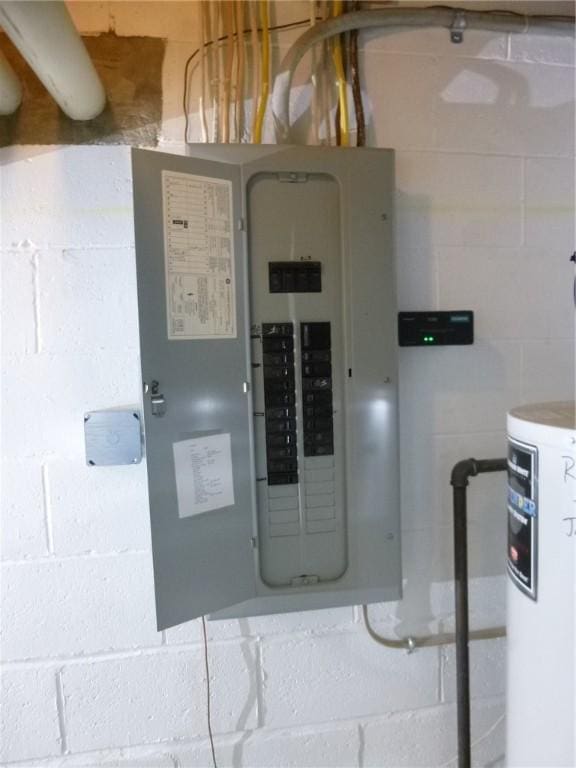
[[223, 22], [233, 58]]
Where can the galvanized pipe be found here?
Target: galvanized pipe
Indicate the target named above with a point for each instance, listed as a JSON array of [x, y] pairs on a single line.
[[46, 37]]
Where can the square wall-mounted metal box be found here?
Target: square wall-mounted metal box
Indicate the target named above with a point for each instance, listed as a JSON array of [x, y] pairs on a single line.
[[112, 437], [267, 311]]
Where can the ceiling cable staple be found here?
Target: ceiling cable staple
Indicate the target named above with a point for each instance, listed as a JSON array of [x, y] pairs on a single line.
[[391, 20], [458, 27]]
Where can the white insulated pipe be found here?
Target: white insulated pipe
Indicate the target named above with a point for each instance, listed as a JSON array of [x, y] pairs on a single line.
[[46, 37], [10, 88], [392, 20]]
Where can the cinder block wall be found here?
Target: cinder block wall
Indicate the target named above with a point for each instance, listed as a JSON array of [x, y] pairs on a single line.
[[485, 201]]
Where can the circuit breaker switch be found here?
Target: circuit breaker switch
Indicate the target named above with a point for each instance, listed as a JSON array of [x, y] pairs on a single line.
[[315, 336], [280, 398], [280, 413], [277, 345], [318, 369], [316, 356], [295, 277], [317, 382]]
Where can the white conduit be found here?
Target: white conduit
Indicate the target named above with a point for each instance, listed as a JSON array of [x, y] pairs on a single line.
[[10, 89], [46, 37], [428, 641], [392, 20]]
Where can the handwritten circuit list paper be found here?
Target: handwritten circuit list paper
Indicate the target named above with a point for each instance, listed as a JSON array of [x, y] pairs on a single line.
[[199, 257], [203, 468]]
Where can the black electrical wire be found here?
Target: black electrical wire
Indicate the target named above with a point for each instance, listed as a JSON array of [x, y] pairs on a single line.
[[208, 713], [489, 12], [337, 131], [505, 12], [356, 90], [190, 59]]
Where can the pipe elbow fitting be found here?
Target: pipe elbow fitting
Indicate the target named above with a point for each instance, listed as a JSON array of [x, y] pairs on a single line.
[[462, 471]]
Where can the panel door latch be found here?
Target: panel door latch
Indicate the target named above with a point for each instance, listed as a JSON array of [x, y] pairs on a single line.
[[157, 400]]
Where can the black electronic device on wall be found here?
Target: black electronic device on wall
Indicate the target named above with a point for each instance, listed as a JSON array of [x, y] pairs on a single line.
[[433, 329]]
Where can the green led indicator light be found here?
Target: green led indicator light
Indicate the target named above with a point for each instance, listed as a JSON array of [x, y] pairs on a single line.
[[429, 339]]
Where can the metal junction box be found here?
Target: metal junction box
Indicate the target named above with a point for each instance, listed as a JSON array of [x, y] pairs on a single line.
[[267, 310]]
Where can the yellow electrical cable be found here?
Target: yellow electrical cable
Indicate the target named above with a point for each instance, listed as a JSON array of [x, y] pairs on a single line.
[[341, 79], [240, 43], [265, 73]]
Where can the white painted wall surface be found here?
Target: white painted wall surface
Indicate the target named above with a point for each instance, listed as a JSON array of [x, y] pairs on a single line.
[[485, 202]]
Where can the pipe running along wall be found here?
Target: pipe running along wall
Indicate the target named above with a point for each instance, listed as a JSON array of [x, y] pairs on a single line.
[[412, 643], [46, 37], [391, 20]]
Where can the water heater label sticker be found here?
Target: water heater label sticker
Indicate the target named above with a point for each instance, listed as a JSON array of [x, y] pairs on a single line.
[[523, 515], [198, 257], [203, 469]]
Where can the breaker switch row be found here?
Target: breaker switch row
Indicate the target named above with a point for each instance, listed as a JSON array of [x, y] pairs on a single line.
[[295, 277], [279, 400], [317, 389]]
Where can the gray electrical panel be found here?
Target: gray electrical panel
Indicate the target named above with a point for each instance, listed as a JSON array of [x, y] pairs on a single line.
[[267, 309]]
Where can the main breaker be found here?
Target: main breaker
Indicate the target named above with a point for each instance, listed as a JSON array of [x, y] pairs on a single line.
[[267, 329]]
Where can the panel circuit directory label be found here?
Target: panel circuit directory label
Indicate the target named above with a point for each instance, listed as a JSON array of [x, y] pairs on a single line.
[[199, 257]]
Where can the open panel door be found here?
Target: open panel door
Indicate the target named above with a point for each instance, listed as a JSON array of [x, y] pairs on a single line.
[[196, 372]]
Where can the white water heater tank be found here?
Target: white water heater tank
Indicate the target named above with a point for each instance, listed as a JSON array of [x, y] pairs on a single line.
[[541, 676]]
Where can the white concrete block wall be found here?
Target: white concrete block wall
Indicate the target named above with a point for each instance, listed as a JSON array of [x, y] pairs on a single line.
[[30, 715], [485, 200], [155, 697], [435, 743]]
